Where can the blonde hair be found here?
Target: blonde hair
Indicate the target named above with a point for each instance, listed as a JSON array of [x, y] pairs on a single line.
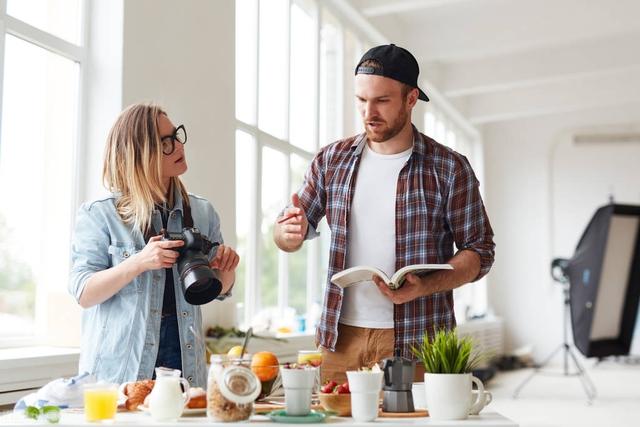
[[133, 165]]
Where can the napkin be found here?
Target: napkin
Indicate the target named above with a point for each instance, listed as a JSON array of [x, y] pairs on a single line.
[[62, 392]]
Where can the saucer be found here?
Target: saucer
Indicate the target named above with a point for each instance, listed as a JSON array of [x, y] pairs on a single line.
[[280, 416]]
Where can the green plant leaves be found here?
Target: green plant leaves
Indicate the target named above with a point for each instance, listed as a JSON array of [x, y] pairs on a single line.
[[446, 353], [32, 412], [51, 413]]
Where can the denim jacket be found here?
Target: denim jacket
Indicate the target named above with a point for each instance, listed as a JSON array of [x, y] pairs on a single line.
[[120, 336]]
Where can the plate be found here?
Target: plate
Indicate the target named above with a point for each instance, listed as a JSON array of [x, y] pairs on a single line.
[[280, 416], [185, 413]]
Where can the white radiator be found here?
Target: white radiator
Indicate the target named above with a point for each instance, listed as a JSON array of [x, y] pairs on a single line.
[[487, 335]]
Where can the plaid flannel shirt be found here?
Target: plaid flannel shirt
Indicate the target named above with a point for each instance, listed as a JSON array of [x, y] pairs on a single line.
[[438, 204]]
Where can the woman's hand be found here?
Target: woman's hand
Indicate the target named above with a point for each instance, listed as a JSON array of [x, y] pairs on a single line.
[[226, 259], [157, 254]]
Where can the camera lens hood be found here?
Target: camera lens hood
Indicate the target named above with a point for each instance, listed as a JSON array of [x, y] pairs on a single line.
[[199, 283]]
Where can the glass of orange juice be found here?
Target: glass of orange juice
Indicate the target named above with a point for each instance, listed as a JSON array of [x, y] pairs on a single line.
[[100, 401]]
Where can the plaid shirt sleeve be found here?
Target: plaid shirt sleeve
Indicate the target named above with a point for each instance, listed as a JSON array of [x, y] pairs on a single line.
[[313, 195], [467, 217]]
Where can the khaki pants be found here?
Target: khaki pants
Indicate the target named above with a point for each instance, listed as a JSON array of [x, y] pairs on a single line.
[[357, 348]]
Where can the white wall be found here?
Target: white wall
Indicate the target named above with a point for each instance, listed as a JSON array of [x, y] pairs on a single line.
[[595, 171], [517, 183], [181, 55]]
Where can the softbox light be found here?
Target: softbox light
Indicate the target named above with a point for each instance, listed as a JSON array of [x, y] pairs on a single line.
[[604, 277]]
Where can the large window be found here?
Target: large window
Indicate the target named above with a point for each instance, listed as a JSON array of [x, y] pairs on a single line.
[[40, 58], [470, 300], [295, 63], [290, 100]]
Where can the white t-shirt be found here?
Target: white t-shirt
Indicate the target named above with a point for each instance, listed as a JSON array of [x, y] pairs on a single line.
[[372, 237]]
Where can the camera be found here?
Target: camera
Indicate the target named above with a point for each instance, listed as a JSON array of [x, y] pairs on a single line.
[[199, 283]]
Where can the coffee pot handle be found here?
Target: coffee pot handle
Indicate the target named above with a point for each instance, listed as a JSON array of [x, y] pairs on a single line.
[[385, 369]]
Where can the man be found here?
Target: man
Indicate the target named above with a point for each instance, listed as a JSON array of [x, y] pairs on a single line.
[[392, 197]]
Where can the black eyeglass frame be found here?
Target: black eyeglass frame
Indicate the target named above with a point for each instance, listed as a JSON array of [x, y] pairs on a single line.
[[173, 138]]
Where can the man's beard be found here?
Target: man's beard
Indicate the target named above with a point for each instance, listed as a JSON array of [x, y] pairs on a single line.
[[387, 132]]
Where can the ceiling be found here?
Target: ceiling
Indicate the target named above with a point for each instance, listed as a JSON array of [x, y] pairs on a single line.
[[501, 60]]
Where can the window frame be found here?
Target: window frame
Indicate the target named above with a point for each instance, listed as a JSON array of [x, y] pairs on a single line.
[[283, 145], [78, 54]]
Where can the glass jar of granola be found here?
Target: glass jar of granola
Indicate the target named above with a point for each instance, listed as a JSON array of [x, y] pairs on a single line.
[[231, 389]]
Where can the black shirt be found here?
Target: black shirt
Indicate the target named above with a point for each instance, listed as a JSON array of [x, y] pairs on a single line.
[[169, 297]]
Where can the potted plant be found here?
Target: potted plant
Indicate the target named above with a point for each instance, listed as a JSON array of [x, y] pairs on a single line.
[[448, 361]]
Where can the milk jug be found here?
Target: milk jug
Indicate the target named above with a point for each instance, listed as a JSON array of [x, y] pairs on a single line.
[[167, 399]]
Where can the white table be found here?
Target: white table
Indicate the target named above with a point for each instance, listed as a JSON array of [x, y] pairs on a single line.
[[485, 419]]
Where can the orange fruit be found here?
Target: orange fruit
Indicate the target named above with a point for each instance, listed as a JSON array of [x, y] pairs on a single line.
[[265, 365]]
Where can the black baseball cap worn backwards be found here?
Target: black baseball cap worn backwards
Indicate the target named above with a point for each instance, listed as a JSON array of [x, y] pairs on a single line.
[[396, 63]]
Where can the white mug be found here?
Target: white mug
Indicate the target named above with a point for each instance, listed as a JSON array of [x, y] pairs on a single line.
[[487, 397], [365, 389], [449, 396], [298, 384], [419, 396]]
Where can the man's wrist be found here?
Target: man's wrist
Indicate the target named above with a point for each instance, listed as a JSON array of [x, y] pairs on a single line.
[[427, 287]]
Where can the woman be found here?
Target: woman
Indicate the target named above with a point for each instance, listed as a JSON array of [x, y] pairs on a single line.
[[124, 275]]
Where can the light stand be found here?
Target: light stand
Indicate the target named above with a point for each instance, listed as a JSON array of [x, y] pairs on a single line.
[[558, 274]]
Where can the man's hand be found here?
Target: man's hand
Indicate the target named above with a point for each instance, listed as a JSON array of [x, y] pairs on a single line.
[[291, 227], [412, 288], [466, 266]]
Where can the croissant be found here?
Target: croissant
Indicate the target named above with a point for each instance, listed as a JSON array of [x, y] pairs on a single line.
[[136, 392]]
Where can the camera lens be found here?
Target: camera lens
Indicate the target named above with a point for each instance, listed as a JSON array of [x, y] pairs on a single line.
[[199, 283]]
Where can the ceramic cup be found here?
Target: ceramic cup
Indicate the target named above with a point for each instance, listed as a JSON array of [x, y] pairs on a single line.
[[419, 397], [365, 389], [298, 384], [487, 397]]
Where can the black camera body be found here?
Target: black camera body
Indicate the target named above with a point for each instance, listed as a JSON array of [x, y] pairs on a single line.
[[199, 283]]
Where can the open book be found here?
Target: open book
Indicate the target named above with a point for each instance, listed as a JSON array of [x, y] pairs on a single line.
[[362, 273]]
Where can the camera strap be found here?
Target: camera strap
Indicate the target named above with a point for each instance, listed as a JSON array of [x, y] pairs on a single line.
[[186, 221], [187, 218]]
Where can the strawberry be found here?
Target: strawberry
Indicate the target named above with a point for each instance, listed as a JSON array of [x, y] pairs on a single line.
[[328, 387], [341, 389]]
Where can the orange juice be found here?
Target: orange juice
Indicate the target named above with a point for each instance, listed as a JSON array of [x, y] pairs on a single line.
[[310, 357], [100, 402]]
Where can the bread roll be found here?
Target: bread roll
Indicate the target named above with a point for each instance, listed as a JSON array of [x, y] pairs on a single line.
[[198, 398]]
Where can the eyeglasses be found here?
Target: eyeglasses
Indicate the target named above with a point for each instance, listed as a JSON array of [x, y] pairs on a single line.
[[169, 141]]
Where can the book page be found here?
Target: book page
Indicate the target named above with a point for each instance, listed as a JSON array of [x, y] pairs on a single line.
[[397, 280], [355, 275]]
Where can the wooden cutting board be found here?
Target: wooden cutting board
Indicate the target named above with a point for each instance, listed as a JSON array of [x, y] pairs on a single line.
[[417, 414]]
